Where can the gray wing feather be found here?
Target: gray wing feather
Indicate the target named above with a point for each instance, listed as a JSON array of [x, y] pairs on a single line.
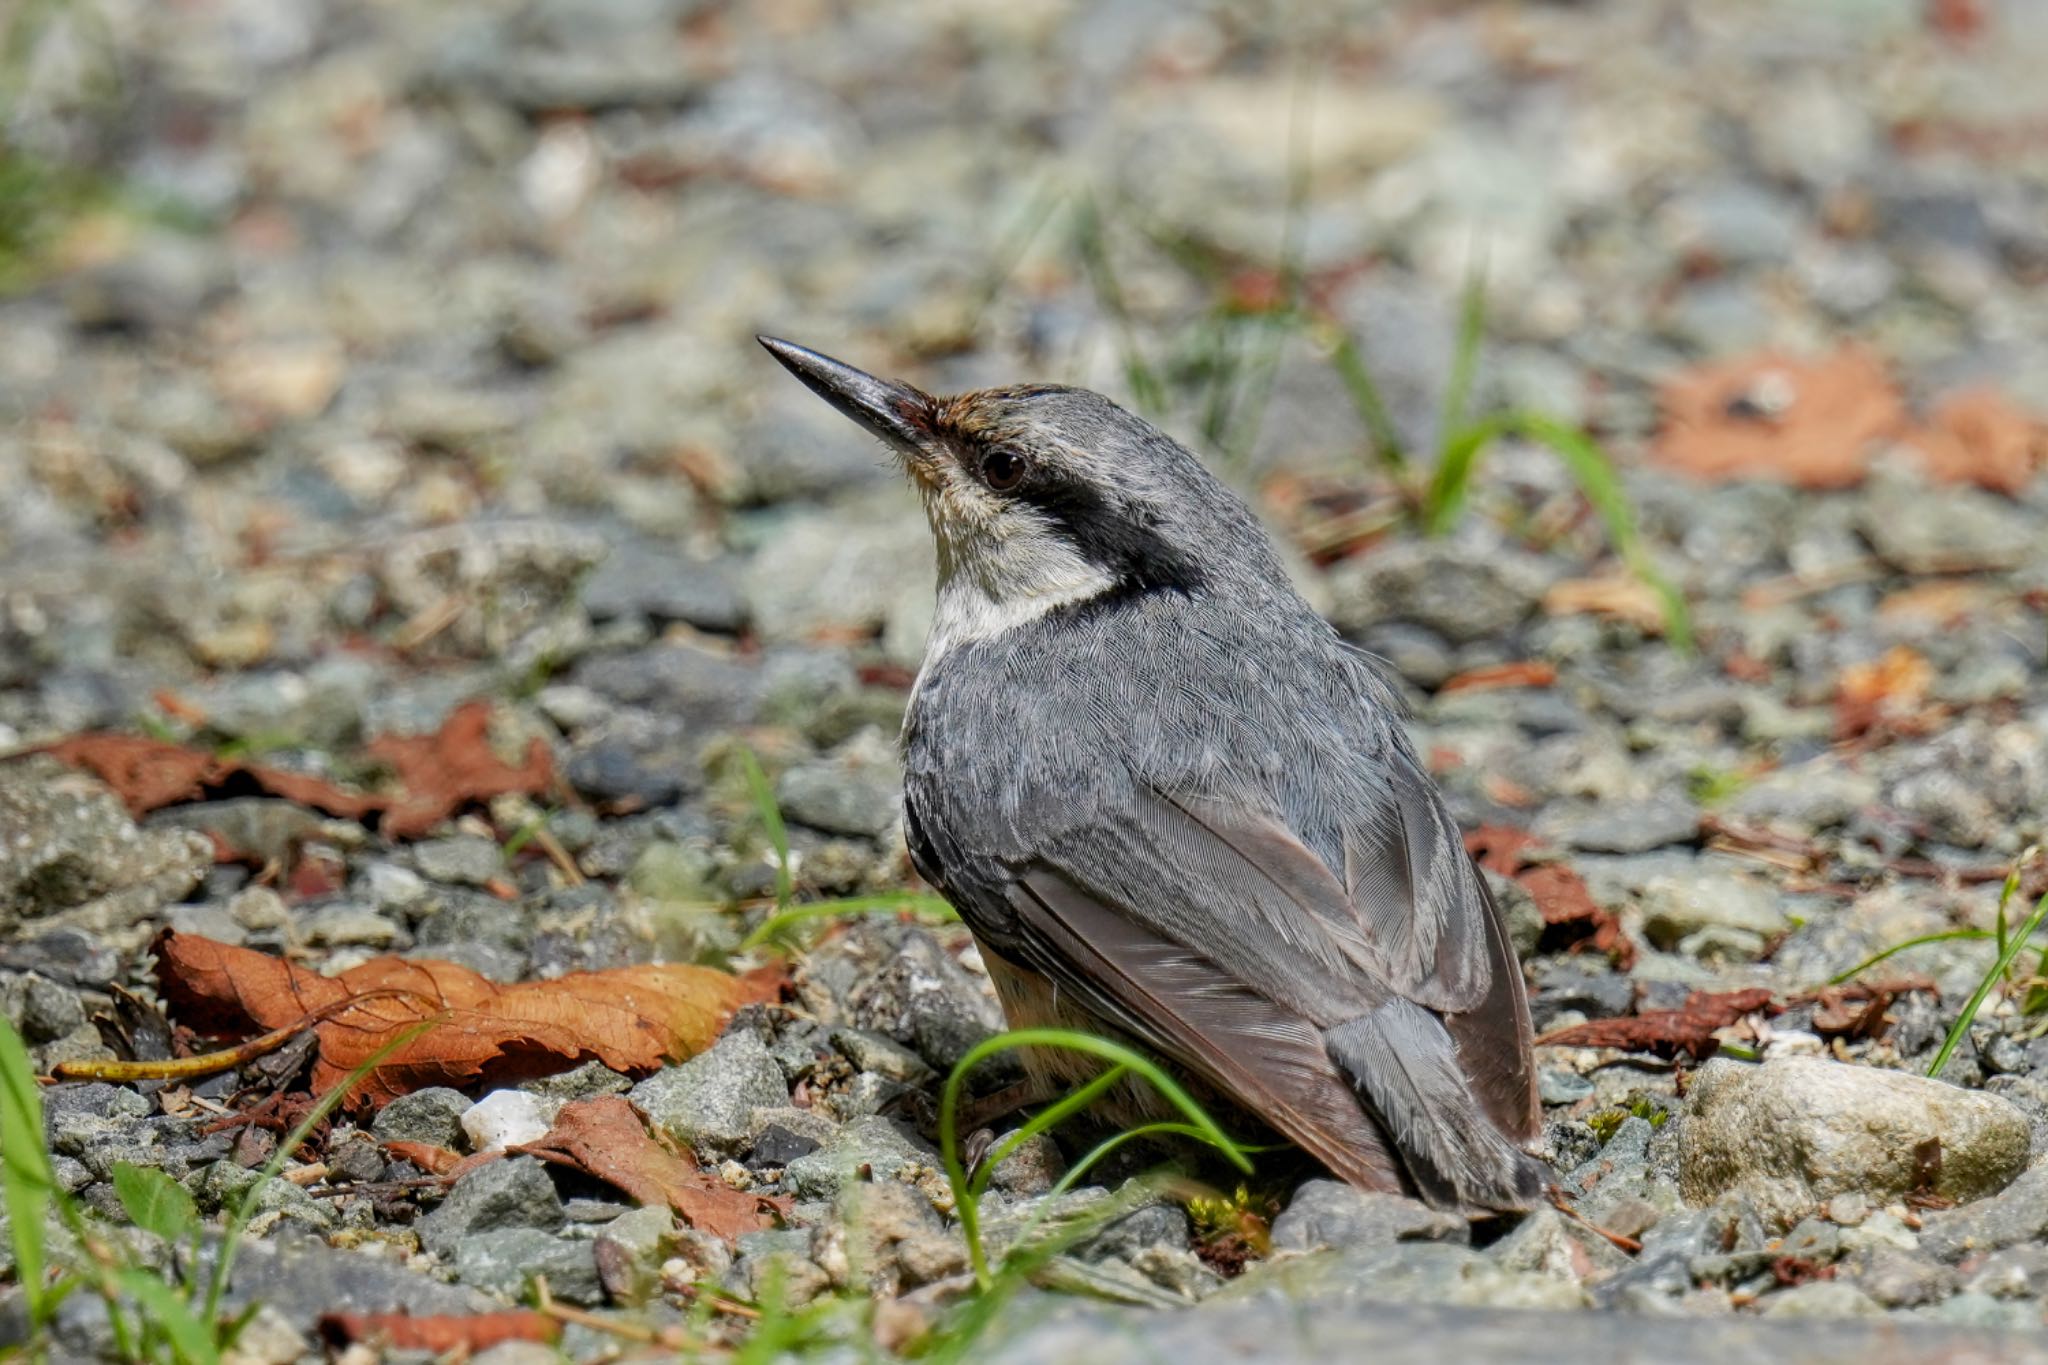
[[1274, 1062]]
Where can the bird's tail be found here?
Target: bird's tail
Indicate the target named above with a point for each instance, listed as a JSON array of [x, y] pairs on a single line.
[[1402, 1061]]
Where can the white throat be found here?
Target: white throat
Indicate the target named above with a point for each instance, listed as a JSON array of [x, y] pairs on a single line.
[[966, 612]]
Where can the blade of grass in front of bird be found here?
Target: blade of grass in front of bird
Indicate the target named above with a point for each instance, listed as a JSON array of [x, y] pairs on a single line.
[[966, 1201], [1050, 1117], [770, 812]]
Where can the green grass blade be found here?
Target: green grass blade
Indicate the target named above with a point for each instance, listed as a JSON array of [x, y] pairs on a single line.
[[779, 923], [154, 1202], [1991, 979], [771, 820], [245, 1206], [1049, 1118], [1464, 356], [26, 1176], [1356, 376], [164, 1310], [1457, 459], [1946, 936], [967, 1201]]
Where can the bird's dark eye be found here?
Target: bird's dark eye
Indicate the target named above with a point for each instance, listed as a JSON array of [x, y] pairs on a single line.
[[1003, 469]]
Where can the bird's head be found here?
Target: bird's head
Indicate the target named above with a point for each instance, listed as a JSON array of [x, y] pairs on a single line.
[[1041, 495]]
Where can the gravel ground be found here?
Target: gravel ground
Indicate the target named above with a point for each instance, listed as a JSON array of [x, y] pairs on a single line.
[[364, 360]]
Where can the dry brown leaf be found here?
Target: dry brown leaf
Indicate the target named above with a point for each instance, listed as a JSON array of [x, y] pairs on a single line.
[[439, 1335], [1499, 848], [425, 1155], [1813, 423], [1621, 597], [630, 1018], [1889, 690], [1688, 1029], [604, 1137], [1980, 436], [1520, 673], [436, 774], [1567, 906]]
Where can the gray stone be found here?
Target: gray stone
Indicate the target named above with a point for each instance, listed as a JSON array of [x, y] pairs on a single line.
[[495, 1197], [2017, 1215], [662, 585], [505, 1263], [858, 791], [923, 998], [463, 860], [1631, 827], [72, 851], [1717, 898], [882, 1055], [870, 1147], [1821, 1299], [1901, 1279], [709, 1101], [1326, 1213], [1461, 591], [1794, 1132], [432, 1116], [1960, 531]]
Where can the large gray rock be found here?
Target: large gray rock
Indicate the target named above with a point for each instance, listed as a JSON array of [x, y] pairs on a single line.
[[709, 1101], [1795, 1132], [515, 1193], [74, 857], [1327, 1213], [1461, 591]]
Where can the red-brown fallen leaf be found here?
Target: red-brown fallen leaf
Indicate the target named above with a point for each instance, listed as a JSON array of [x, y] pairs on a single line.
[[1566, 905], [1521, 673], [425, 1155], [1688, 1029], [1980, 436], [630, 1018], [438, 1335], [605, 1138], [1888, 690], [1499, 848], [436, 775], [1812, 423]]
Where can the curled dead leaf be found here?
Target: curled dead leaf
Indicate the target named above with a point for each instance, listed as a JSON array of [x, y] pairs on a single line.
[[604, 1137], [1689, 1029], [476, 1031]]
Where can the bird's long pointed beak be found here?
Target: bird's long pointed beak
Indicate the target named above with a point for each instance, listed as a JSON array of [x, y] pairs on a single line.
[[898, 413]]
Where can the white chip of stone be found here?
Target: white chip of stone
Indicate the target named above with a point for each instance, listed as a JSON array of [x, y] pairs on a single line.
[[503, 1118]]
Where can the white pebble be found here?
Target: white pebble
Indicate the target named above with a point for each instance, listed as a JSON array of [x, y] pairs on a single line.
[[503, 1118]]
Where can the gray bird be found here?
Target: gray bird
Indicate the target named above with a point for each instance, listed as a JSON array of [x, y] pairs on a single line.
[[1175, 808]]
